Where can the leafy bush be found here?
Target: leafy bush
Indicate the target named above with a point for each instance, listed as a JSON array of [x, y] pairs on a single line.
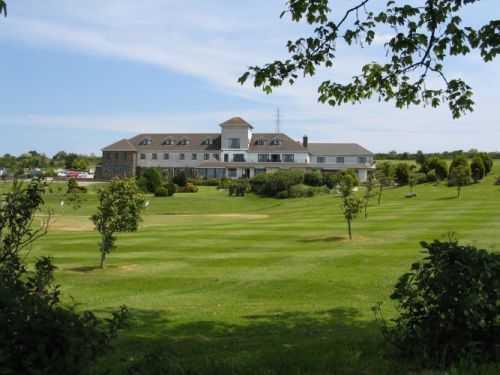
[[73, 187], [402, 173], [272, 184], [189, 188], [313, 178], [166, 190], [224, 183], [161, 192], [39, 334], [497, 181], [300, 190], [477, 168], [282, 194], [439, 166], [331, 180], [238, 188], [180, 179], [207, 182], [432, 176], [353, 174], [448, 306], [151, 180], [487, 161]]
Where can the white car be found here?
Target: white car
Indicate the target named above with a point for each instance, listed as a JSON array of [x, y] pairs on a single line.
[[86, 176], [61, 174]]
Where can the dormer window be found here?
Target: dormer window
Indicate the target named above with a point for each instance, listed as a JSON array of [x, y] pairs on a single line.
[[275, 142], [184, 142], [207, 141], [260, 142], [146, 142], [168, 142]]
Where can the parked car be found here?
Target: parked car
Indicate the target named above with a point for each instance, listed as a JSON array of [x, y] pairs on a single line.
[[85, 176], [62, 174]]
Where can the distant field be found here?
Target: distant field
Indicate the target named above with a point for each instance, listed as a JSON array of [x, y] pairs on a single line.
[[262, 283]]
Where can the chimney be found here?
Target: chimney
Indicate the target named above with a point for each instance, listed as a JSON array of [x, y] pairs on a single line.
[[305, 141]]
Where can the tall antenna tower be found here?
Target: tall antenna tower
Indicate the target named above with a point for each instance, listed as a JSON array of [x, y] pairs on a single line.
[[278, 121]]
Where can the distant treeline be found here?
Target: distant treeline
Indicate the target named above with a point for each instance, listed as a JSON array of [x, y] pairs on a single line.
[[449, 155], [35, 160]]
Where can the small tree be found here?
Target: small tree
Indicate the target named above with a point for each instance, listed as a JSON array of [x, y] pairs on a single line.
[[151, 180], [119, 210], [477, 168], [180, 179], [412, 181], [351, 206], [459, 177], [370, 186], [384, 175], [402, 173]]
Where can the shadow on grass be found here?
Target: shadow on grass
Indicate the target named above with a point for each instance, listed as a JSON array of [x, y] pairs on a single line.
[[453, 197], [336, 341], [87, 269], [324, 239]]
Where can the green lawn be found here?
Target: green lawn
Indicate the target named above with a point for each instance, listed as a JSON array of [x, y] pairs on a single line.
[[248, 283]]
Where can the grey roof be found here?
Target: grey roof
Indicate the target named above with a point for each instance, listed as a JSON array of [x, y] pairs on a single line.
[[236, 122], [337, 149], [123, 145], [285, 143], [197, 142]]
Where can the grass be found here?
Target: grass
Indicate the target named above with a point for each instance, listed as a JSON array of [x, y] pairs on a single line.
[[240, 284]]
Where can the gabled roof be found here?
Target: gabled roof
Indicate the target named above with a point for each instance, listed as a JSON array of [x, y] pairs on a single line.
[[236, 122], [337, 149], [123, 145], [285, 143], [197, 141]]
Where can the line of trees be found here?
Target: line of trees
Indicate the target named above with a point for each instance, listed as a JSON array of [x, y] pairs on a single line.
[[448, 155]]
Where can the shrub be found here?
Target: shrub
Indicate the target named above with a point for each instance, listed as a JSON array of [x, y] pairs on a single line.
[[238, 188], [402, 173], [224, 183], [497, 181], [171, 188], [477, 168], [207, 182], [313, 178], [487, 161], [272, 184], [189, 188], [439, 166], [282, 194], [432, 176], [353, 174], [300, 190], [331, 180], [448, 305], [161, 192], [150, 181], [180, 179], [73, 187]]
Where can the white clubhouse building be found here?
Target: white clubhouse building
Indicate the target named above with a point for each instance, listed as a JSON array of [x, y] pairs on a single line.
[[233, 153]]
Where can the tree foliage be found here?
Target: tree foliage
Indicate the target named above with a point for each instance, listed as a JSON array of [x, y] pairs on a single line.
[[39, 334], [477, 169], [351, 207], [425, 34], [448, 306], [120, 205], [3, 8]]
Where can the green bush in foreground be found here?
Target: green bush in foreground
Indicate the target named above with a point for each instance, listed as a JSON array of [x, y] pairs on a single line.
[[274, 184], [449, 308]]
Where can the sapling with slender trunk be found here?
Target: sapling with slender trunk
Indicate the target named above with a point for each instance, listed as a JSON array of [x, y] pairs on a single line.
[[370, 185], [119, 210]]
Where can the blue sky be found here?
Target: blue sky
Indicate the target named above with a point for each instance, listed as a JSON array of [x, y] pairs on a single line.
[[78, 75]]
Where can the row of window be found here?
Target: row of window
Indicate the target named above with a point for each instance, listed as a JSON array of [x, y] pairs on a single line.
[[235, 143], [341, 159], [182, 156], [276, 158], [172, 141], [117, 155]]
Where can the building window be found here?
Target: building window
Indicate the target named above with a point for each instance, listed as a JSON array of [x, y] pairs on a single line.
[[194, 156], [275, 142], [239, 157], [275, 158], [263, 158], [289, 158], [182, 156], [232, 172], [166, 156], [117, 155], [362, 159], [260, 142], [206, 157], [233, 143], [143, 156], [154, 156], [321, 159], [146, 142], [226, 158], [340, 160], [215, 156], [167, 142]]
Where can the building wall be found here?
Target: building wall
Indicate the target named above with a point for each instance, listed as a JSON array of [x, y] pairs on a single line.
[[243, 133], [174, 160], [118, 164], [348, 159]]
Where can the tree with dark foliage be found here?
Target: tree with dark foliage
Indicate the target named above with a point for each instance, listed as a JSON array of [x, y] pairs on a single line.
[[38, 334], [425, 34]]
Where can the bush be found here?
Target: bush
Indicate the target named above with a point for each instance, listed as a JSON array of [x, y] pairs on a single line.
[[207, 182], [448, 305], [487, 161], [161, 192], [238, 188], [167, 190], [300, 190], [313, 178], [73, 187], [331, 180], [477, 168], [432, 176], [189, 188], [150, 181], [180, 179], [439, 166], [271, 184], [497, 181], [402, 173], [352, 173], [224, 183], [282, 194]]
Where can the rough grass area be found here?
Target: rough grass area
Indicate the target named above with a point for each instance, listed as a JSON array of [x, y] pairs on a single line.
[[262, 285]]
